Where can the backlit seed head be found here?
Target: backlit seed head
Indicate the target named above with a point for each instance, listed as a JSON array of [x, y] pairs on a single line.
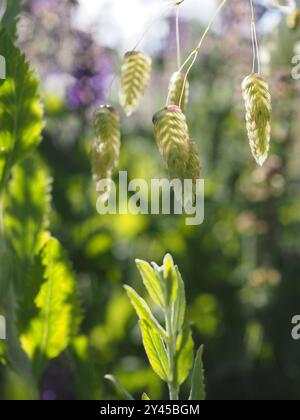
[[172, 137], [176, 91], [258, 116], [106, 147], [193, 167], [293, 19], [135, 78]]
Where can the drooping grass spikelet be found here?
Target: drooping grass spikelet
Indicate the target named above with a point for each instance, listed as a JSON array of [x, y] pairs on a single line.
[[175, 91], [293, 19], [106, 147], [193, 166], [135, 78], [258, 115], [172, 137]]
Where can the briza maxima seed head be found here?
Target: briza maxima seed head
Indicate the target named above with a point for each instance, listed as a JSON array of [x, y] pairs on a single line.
[[178, 91], [258, 115], [193, 166], [106, 147], [293, 19], [172, 137], [135, 78]]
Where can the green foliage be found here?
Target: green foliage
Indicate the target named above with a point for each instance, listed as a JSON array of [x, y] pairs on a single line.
[[10, 18], [51, 318], [143, 311], [27, 207], [145, 397], [170, 350], [156, 351], [119, 387], [185, 354], [198, 381], [21, 113], [38, 291]]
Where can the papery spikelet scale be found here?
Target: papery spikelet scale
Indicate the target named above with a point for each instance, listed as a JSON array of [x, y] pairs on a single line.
[[258, 115], [106, 147], [135, 78], [172, 137], [176, 91]]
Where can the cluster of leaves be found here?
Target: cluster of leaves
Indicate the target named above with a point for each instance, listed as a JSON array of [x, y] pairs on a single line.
[[170, 348], [38, 287]]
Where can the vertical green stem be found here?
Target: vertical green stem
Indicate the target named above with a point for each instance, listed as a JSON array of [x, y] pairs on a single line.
[[2, 239], [173, 384]]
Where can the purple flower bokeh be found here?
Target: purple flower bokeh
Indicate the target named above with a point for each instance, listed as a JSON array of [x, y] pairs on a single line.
[[63, 50]]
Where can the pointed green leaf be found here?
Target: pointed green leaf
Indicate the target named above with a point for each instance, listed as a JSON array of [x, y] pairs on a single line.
[[156, 351], [54, 313], [198, 378], [143, 311], [145, 397], [151, 282], [170, 277], [119, 387], [185, 355], [26, 207], [21, 113], [179, 306]]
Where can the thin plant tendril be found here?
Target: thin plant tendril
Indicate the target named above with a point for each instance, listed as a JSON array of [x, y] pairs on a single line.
[[256, 55], [178, 38], [195, 53]]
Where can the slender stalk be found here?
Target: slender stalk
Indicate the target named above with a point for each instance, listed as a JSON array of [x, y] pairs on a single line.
[[256, 56], [171, 347], [194, 54], [2, 238], [178, 37]]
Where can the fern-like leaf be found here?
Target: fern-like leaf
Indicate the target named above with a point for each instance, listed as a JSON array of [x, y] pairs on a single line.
[[49, 321], [26, 209], [21, 113]]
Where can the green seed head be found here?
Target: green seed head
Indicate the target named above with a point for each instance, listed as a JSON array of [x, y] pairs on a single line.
[[135, 78], [258, 116], [172, 137]]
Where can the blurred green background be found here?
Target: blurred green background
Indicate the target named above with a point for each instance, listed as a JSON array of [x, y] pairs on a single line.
[[241, 267]]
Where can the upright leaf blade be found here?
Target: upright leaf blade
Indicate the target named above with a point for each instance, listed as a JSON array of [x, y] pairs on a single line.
[[143, 311], [198, 378], [179, 306], [55, 313], [170, 277], [145, 397], [152, 282], [156, 351], [21, 113], [185, 355]]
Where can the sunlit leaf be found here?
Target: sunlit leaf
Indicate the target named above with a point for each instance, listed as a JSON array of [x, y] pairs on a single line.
[[152, 282], [54, 315], [21, 114], [145, 397], [198, 378], [179, 306], [170, 277], [26, 209], [143, 311], [185, 355], [156, 351]]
